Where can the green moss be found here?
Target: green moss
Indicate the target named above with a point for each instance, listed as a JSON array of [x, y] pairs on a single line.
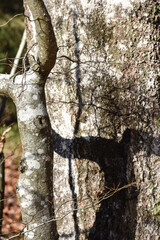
[[157, 122], [156, 209]]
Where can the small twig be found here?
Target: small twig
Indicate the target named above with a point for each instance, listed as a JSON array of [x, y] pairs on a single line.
[[2, 140], [63, 56], [97, 201], [19, 14]]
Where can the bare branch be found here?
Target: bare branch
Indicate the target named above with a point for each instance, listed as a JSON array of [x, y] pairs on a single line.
[[96, 201], [19, 53], [40, 32], [17, 15]]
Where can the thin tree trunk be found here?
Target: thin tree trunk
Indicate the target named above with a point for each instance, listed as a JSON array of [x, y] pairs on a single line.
[[35, 185]]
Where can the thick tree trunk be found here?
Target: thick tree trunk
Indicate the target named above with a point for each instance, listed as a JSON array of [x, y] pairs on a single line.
[[103, 102]]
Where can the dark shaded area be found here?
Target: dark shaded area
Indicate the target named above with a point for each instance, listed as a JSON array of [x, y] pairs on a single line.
[[111, 156], [116, 218], [11, 6], [7, 112], [2, 105]]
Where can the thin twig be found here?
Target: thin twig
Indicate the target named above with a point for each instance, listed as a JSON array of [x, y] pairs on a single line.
[[107, 195], [19, 14]]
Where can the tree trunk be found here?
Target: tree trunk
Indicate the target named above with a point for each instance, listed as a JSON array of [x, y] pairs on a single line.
[[35, 185], [103, 100]]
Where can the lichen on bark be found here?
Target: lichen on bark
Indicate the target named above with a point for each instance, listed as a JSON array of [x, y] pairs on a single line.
[[119, 93]]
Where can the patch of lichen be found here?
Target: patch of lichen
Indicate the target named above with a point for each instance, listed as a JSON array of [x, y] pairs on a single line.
[[98, 30], [113, 35], [128, 54], [156, 209]]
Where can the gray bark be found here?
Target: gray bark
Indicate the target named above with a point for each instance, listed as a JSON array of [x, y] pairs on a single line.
[[103, 100], [35, 185]]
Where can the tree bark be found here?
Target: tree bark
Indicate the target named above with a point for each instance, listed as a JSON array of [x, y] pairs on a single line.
[[103, 100], [35, 185]]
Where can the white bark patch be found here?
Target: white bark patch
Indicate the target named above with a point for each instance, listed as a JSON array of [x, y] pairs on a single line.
[[124, 3], [28, 155], [40, 151], [90, 5], [29, 197], [31, 162], [27, 182], [35, 97], [122, 47], [32, 22], [18, 79], [21, 192], [30, 235], [26, 204], [29, 172], [30, 113]]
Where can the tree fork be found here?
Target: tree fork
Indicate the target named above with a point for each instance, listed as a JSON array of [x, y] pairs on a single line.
[[35, 185]]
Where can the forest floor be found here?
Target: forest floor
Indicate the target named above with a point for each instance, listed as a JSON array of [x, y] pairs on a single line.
[[12, 223], [12, 213]]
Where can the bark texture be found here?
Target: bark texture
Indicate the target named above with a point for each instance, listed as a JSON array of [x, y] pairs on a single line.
[[42, 48], [103, 100], [35, 185]]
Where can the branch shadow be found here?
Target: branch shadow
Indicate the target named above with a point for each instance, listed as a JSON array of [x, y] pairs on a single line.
[[116, 218], [111, 156]]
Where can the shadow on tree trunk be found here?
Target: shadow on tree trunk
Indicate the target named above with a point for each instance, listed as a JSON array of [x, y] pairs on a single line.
[[114, 218]]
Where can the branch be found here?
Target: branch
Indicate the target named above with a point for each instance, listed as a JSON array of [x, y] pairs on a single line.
[[40, 34], [6, 83], [17, 15], [6, 86], [19, 53], [96, 201]]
